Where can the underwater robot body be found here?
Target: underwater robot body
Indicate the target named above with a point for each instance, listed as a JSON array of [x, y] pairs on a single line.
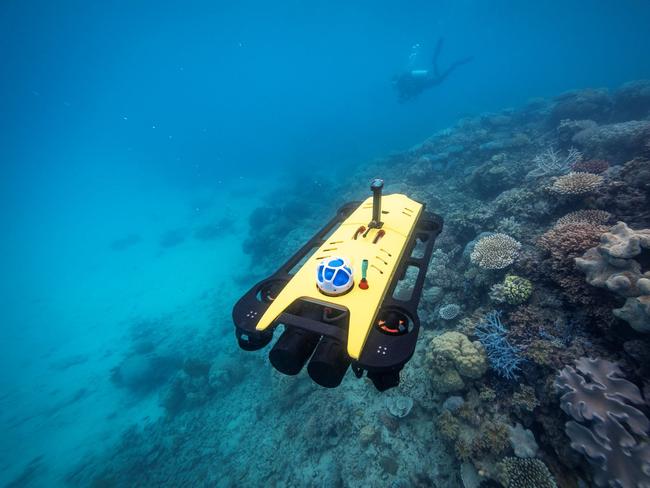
[[349, 296]]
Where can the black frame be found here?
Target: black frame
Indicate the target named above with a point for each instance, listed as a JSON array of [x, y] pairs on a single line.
[[383, 355]]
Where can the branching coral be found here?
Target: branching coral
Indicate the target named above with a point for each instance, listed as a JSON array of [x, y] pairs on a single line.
[[608, 428], [576, 183], [504, 357], [453, 357], [567, 241], [550, 162], [564, 243], [612, 265], [495, 251]]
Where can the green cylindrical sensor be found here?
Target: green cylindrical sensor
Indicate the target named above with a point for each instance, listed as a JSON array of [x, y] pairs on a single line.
[[363, 284]]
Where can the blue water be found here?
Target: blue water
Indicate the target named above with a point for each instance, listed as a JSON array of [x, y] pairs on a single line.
[[127, 127]]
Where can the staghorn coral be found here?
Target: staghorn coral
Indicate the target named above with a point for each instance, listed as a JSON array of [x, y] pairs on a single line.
[[453, 357], [595, 217], [576, 183], [525, 473], [611, 265], [607, 427], [504, 358], [495, 251], [550, 162]]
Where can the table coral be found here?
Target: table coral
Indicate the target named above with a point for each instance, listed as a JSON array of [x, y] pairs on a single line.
[[495, 251], [576, 183]]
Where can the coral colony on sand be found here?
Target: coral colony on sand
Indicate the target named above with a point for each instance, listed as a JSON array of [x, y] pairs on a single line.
[[547, 218]]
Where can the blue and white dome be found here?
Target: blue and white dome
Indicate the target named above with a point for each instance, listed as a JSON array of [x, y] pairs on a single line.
[[334, 276]]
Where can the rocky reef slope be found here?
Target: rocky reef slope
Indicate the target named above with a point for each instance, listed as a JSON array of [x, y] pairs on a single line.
[[532, 368]]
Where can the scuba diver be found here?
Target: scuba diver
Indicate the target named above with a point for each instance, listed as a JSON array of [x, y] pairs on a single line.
[[414, 81]]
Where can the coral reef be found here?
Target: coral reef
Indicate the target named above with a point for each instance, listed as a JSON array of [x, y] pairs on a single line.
[[576, 183], [612, 265], [399, 406], [454, 358], [564, 243], [496, 251], [522, 441], [607, 427], [449, 311], [595, 166], [504, 357], [591, 104], [615, 142], [525, 473], [550, 162], [514, 290], [489, 173], [595, 217]]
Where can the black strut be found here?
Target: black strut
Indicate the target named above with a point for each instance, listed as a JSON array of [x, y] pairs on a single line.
[[376, 186]]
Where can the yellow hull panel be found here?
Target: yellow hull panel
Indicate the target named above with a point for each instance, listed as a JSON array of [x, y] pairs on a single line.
[[400, 215]]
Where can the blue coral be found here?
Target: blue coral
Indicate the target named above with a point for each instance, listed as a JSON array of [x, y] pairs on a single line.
[[503, 356]]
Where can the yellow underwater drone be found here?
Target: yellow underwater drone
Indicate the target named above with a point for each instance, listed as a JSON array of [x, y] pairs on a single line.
[[349, 296]]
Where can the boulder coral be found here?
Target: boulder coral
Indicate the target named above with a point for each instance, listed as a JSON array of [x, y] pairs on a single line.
[[612, 265], [454, 358]]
